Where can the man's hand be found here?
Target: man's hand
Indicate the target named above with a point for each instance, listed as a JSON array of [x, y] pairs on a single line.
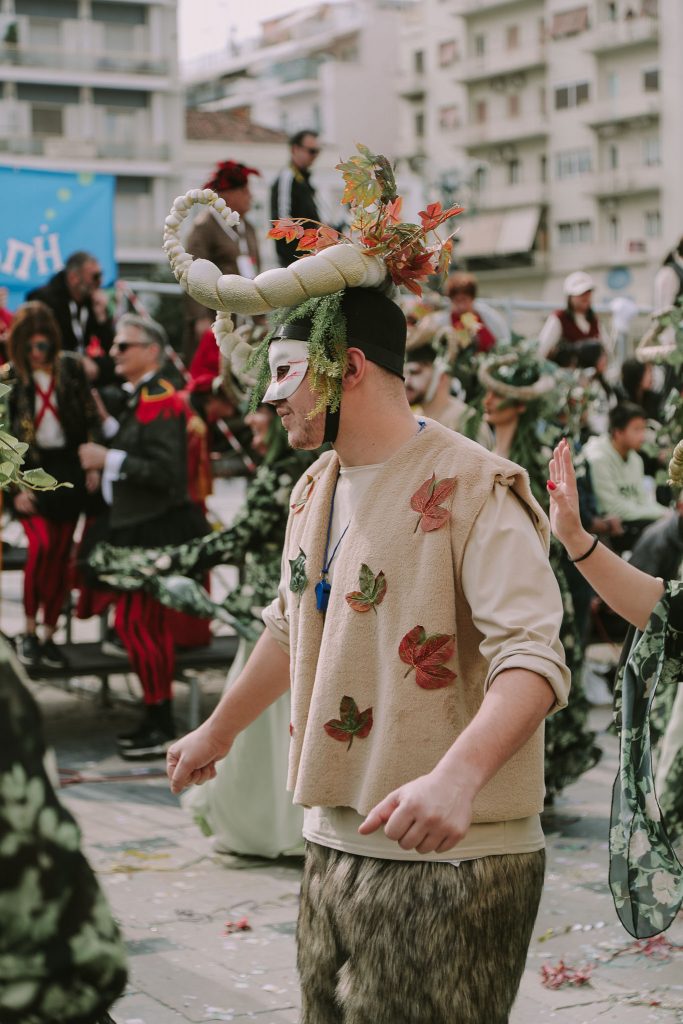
[[25, 503], [92, 480], [192, 759], [92, 455], [92, 370], [431, 814]]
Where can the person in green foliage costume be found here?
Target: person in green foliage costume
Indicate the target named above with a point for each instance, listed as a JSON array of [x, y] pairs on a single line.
[[520, 392], [62, 958], [646, 827], [245, 807]]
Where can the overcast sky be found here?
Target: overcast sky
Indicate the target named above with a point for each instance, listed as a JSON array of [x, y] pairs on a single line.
[[204, 26]]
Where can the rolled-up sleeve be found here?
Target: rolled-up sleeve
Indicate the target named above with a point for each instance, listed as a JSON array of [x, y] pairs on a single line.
[[275, 614], [512, 591]]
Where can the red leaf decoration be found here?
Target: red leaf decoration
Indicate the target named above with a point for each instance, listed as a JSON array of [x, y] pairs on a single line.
[[286, 228], [351, 722], [427, 501], [427, 655]]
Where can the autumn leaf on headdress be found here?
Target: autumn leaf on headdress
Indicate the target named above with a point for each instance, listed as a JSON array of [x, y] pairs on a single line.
[[372, 591], [427, 501], [427, 655], [298, 580], [351, 722], [434, 215], [287, 228], [298, 505], [361, 185], [317, 239]]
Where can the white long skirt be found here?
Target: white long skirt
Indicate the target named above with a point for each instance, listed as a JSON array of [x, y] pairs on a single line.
[[247, 807]]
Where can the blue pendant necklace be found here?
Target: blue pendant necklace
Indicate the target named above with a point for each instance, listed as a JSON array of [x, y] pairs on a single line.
[[323, 587]]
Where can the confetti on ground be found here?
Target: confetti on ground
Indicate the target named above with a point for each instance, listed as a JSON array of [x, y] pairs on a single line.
[[241, 925], [560, 974]]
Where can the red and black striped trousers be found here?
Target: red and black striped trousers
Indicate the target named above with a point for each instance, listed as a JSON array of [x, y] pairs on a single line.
[[47, 573], [145, 629]]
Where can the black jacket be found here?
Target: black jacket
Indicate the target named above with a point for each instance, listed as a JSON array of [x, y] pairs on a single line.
[[292, 195], [55, 294], [153, 476]]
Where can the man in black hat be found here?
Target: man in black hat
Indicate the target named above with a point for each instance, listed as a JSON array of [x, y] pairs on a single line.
[[234, 249], [406, 651]]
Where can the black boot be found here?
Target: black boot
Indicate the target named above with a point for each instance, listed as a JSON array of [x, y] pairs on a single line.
[[155, 735]]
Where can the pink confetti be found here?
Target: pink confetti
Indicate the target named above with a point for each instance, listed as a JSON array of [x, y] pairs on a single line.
[[242, 925], [560, 974]]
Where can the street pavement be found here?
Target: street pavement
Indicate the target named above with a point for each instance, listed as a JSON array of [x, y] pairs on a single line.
[[179, 902]]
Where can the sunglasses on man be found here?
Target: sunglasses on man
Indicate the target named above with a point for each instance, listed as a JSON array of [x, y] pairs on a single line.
[[311, 150], [123, 346]]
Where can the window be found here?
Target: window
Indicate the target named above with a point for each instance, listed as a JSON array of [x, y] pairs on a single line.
[[513, 169], [574, 95], [611, 10], [480, 111], [418, 61], [542, 100], [613, 84], [575, 232], [612, 157], [513, 104], [420, 125], [123, 13], [512, 37], [479, 179], [651, 155], [572, 163], [118, 38], [47, 120], [613, 229], [479, 45], [653, 224], [651, 80], [449, 118], [448, 53], [47, 8], [543, 168], [45, 33]]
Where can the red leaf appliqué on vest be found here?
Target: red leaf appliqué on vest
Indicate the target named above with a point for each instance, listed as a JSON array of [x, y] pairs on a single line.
[[351, 722], [428, 655], [427, 501]]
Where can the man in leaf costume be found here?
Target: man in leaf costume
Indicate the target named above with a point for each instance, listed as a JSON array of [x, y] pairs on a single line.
[[417, 623]]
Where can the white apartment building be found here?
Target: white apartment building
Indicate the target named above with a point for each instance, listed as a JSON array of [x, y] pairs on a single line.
[[92, 86], [331, 67], [558, 124]]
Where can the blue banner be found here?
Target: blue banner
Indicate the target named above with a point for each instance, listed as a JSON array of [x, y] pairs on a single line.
[[46, 216]]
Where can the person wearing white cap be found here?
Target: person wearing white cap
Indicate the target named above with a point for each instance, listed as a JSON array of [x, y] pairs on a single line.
[[565, 333]]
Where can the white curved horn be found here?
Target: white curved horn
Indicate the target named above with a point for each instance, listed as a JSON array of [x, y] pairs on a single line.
[[339, 266]]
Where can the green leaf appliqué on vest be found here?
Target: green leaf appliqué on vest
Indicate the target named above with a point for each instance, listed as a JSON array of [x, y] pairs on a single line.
[[373, 590], [298, 580]]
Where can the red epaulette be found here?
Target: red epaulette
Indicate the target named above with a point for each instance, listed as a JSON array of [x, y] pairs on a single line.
[[164, 401]]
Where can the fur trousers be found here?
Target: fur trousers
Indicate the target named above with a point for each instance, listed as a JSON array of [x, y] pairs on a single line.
[[395, 942]]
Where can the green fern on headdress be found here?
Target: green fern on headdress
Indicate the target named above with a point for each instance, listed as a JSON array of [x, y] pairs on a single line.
[[327, 356]]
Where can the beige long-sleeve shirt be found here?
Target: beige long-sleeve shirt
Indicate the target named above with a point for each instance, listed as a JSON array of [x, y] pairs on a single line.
[[504, 565]]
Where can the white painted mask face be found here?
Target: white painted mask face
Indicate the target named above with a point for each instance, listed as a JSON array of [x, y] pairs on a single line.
[[288, 362]]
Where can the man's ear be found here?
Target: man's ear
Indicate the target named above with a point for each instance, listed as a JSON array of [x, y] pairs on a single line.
[[355, 369]]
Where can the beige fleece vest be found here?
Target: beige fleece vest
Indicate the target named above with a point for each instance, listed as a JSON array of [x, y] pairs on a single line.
[[399, 730]]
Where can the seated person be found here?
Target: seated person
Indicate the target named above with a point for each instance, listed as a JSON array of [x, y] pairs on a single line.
[[618, 474], [430, 350]]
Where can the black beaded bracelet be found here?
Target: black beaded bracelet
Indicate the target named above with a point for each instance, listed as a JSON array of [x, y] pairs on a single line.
[[575, 561]]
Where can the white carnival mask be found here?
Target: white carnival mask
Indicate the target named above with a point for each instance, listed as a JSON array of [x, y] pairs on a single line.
[[288, 361]]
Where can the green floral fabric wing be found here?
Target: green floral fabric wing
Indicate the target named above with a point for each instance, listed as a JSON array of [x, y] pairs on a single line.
[[61, 954], [646, 876]]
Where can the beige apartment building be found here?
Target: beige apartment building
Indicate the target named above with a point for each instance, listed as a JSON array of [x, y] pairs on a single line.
[[92, 86], [559, 126]]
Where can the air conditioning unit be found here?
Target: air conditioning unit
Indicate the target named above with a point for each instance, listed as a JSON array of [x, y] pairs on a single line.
[[636, 245]]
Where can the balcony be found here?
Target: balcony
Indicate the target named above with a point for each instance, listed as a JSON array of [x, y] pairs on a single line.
[[509, 62], [50, 60], [470, 8], [505, 197], [612, 36], [56, 147], [639, 109], [631, 181], [411, 85], [496, 133]]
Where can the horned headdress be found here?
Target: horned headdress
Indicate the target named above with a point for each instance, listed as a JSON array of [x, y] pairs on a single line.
[[379, 252]]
